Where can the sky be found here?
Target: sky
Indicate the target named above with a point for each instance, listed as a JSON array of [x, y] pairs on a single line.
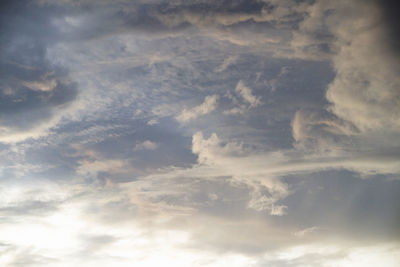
[[200, 133]]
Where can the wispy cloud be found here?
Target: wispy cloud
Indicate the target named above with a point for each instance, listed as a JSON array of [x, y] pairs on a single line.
[[206, 133], [146, 145], [209, 105]]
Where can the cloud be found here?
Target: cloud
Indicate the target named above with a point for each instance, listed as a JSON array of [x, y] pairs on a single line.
[[246, 93], [243, 99], [305, 232], [261, 201], [363, 100], [152, 122], [113, 179], [146, 145], [366, 96], [33, 91], [234, 160], [360, 93], [329, 255], [48, 85], [321, 131], [209, 105], [226, 63]]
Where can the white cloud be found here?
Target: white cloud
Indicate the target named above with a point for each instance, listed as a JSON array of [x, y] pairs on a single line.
[[12, 135], [316, 131], [146, 145], [305, 232], [243, 100], [260, 202], [363, 117], [209, 104], [247, 94], [45, 86], [232, 159], [152, 122], [227, 62], [361, 93], [236, 110]]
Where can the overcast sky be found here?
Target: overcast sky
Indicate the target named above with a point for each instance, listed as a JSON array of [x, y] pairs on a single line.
[[199, 133]]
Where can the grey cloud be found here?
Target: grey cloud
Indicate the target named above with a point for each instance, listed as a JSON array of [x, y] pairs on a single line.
[[32, 89], [342, 204], [94, 243], [355, 88], [317, 130], [363, 99], [303, 142], [222, 20], [29, 208]]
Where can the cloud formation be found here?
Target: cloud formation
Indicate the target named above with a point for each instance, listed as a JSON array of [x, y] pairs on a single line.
[[209, 104], [33, 91], [149, 145], [202, 133]]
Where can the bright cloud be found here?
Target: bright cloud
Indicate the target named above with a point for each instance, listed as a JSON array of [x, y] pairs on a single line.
[[209, 104]]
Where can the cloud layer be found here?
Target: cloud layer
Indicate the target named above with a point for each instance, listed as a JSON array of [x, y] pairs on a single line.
[[202, 133]]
